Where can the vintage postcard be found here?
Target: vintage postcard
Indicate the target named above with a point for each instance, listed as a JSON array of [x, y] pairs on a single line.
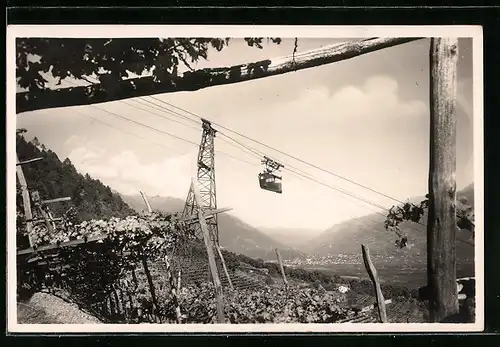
[[245, 179]]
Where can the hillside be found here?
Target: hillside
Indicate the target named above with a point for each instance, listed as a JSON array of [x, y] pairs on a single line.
[[294, 238], [468, 193], [235, 235], [54, 179], [346, 238]]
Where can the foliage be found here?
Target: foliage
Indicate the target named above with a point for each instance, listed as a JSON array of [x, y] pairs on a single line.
[[401, 213], [90, 272], [90, 198], [271, 305], [294, 305], [409, 212], [465, 214], [111, 59], [233, 262], [134, 234]]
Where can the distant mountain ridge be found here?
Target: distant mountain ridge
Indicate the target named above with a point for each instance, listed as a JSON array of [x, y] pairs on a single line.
[[295, 238], [234, 234], [347, 237]]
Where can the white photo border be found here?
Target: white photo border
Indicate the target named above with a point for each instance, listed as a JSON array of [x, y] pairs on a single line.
[[123, 31]]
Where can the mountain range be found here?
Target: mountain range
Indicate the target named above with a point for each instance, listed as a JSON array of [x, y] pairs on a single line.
[[343, 238], [346, 237], [234, 234]]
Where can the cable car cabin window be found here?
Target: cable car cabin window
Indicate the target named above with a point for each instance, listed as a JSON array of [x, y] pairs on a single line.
[[270, 182]]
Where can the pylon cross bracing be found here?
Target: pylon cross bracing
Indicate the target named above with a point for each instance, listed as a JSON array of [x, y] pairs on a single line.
[[206, 181]]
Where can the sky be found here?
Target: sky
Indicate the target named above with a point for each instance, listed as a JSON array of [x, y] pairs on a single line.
[[365, 119]]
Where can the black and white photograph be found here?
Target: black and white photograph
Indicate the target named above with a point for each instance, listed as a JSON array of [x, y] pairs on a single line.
[[244, 178]]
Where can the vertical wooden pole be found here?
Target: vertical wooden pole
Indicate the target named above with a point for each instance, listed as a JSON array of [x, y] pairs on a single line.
[[179, 279], [173, 291], [45, 217], [281, 266], [26, 199], [372, 272], [134, 279], [151, 285], [226, 272], [125, 305], [112, 310], [51, 217], [441, 225], [211, 258], [38, 204], [145, 198], [119, 308]]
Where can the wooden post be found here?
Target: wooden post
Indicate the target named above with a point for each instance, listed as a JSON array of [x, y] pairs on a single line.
[[372, 272], [211, 258], [26, 200], [281, 266], [51, 218], [119, 308], [173, 291], [46, 218], [151, 284], [179, 279], [145, 198], [224, 267], [125, 306], [441, 225], [134, 279], [41, 210]]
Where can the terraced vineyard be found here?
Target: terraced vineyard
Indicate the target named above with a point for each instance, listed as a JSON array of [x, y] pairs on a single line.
[[198, 271]]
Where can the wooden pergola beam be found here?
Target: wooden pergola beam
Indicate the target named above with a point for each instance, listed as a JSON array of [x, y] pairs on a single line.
[[51, 201], [203, 78], [28, 161], [207, 214]]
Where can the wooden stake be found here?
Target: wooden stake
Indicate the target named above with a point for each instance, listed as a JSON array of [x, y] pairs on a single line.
[[173, 291], [145, 198], [46, 218], [179, 279], [119, 308], [372, 272], [224, 267], [281, 266], [26, 200], [211, 258], [151, 284], [441, 225], [51, 218]]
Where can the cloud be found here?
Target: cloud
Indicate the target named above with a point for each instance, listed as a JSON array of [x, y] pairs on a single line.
[[90, 160], [377, 97], [127, 173]]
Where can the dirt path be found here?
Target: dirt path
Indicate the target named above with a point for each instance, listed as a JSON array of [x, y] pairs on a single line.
[[44, 308]]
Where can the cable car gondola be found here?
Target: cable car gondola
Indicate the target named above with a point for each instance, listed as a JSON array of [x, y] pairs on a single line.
[[267, 179]]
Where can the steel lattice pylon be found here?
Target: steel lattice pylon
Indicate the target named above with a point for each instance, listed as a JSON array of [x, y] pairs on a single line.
[[206, 181]]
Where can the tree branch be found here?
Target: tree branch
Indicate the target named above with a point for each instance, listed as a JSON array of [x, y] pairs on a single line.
[[195, 80]]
